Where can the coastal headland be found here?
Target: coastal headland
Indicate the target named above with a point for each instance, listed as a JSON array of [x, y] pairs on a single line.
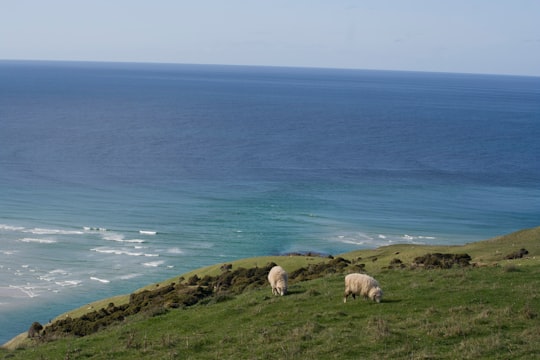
[[476, 300]]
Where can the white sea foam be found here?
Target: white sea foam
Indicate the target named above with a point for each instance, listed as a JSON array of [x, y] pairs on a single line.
[[39, 241], [136, 241], [90, 228], [120, 238], [104, 281], [59, 271], [154, 263], [68, 283], [17, 291], [122, 252], [18, 273], [368, 240], [414, 239], [10, 228], [53, 275], [42, 231], [355, 239], [117, 252], [147, 232], [175, 251], [129, 276], [114, 237]]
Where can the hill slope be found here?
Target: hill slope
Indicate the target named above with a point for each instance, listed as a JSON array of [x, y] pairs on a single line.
[[486, 311]]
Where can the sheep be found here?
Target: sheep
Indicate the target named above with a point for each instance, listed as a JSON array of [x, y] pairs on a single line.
[[362, 285], [278, 277]]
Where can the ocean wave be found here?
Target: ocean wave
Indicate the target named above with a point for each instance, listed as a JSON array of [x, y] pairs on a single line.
[[18, 291], [39, 241], [104, 281], [135, 241], [154, 263], [122, 252], [11, 228], [368, 240], [43, 231], [413, 238], [113, 237], [59, 271], [129, 276], [67, 283], [147, 232], [175, 251], [53, 275], [90, 228], [117, 252], [355, 239], [120, 238]]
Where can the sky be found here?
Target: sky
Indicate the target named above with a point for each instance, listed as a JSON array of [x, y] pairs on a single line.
[[465, 36]]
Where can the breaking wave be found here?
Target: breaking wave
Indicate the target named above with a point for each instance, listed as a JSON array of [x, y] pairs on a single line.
[[39, 241]]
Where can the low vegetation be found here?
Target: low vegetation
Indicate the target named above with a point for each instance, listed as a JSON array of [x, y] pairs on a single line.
[[469, 302]]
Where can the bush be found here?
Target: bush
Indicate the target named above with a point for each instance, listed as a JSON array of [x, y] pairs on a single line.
[[209, 289], [442, 261]]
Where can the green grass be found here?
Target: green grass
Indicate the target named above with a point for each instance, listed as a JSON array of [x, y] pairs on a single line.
[[485, 312]]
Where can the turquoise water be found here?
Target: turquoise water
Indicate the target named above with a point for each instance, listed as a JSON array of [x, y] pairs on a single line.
[[113, 176]]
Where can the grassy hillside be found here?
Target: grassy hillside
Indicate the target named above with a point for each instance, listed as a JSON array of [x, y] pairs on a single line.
[[487, 311]]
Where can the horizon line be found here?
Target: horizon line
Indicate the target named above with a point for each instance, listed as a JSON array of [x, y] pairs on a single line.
[[119, 62]]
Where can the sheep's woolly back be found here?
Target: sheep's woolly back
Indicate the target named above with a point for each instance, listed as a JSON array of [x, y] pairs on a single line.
[[362, 285], [278, 278]]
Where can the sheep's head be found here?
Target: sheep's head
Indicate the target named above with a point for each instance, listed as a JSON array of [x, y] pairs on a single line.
[[376, 294]]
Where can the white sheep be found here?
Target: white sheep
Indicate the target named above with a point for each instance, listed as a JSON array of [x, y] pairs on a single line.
[[278, 278], [362, 285]]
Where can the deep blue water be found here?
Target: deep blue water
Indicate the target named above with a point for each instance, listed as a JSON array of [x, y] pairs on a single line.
[[215, 163]]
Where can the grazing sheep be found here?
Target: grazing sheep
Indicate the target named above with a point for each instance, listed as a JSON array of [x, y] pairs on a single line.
[[362, 285], [278, 278]]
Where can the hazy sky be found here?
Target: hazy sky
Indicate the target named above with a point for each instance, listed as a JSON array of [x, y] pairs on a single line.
[[473, 36]]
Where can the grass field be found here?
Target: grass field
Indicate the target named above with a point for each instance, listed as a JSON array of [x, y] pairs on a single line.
[[487, 311]]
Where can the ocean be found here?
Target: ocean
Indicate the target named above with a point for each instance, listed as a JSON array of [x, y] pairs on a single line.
[[114, 175]]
